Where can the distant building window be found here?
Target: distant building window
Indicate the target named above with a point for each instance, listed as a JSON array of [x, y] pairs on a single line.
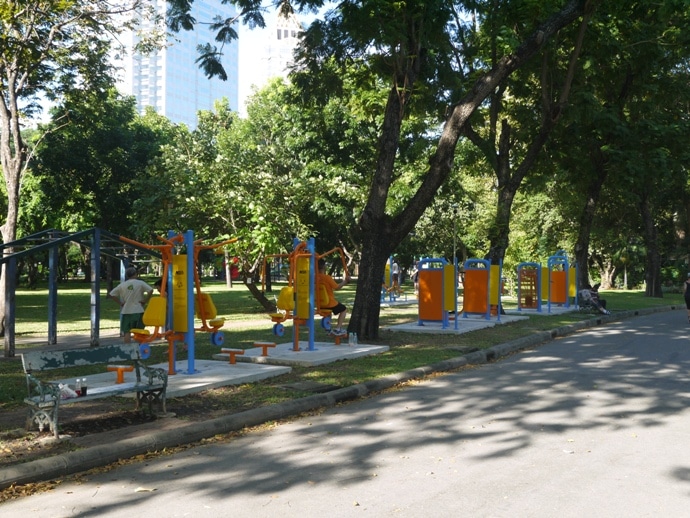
[[293, 34], [285, 33], [279, 33]]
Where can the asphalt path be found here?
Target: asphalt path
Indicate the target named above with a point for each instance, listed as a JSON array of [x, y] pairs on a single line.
[[592, 424]]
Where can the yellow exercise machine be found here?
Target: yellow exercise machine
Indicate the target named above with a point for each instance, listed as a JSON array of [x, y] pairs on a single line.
[[302, 298]]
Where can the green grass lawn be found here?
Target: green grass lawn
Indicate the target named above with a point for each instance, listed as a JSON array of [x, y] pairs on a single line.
[[247, 323]]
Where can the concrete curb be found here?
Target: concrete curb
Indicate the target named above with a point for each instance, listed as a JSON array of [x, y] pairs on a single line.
[[101, 455]]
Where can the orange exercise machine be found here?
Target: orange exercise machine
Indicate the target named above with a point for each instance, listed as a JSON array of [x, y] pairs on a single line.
[[438, 291], [562, 280], [482, 288]]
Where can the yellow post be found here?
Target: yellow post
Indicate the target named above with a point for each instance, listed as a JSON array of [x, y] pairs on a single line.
[[302, 287], [449, 287], [180, 288], [545, 283], [494, 284], [572, 282]]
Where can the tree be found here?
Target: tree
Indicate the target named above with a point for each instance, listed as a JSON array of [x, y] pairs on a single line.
[[232, 178], [507, 131], [47, 47], [625, 121], [87, 169], [410, 43]]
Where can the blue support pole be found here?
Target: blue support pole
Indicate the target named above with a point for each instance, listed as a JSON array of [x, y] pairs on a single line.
[[455, 284], [500, 290], [295, 327]]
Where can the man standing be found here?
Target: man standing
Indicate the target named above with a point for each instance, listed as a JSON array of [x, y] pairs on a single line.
[[132, 295]]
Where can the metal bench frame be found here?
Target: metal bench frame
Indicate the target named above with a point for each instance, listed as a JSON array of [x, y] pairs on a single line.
[[44, 396]]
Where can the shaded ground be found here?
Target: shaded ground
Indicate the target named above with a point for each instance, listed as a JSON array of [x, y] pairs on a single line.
[[112, 417]]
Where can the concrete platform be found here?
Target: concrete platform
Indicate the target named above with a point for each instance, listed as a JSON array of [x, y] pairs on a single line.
[[208, 374], [545, 310], [323, 352], [474, 322], [465, 325]]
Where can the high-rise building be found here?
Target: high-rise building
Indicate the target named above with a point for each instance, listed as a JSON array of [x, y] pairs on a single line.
[[170, 80], [282, 44], [272, 58]]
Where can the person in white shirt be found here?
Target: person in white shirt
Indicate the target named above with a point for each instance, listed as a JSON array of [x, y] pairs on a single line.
[[132, 295]]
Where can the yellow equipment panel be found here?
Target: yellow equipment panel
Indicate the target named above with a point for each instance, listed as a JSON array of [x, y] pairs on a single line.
[[302, 287], [180, 288]]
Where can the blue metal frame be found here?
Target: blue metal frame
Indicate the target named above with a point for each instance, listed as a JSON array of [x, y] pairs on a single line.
[[48, 241]]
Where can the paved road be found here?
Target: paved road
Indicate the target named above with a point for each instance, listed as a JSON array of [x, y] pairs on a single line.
[[594, 424]]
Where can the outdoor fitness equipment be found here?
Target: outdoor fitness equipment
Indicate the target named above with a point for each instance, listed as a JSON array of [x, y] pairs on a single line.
[[205, 308], [438, 291], [529, 286], [561, 280], [555, 283], [482, 288], [172, 313], [298, 300], [389, 288]]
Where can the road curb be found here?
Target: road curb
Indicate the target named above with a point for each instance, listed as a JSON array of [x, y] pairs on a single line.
[[101, 455]]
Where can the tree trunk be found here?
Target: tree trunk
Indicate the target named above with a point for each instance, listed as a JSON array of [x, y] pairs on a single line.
[[608, 276], [653, 257], [268, 305], [593, 193], [12, 160], [365, 312]]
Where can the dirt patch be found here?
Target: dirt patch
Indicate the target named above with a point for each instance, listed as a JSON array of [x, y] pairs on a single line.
[[109, 417]]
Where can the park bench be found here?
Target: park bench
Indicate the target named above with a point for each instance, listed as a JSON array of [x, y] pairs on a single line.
[[44, 398]]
